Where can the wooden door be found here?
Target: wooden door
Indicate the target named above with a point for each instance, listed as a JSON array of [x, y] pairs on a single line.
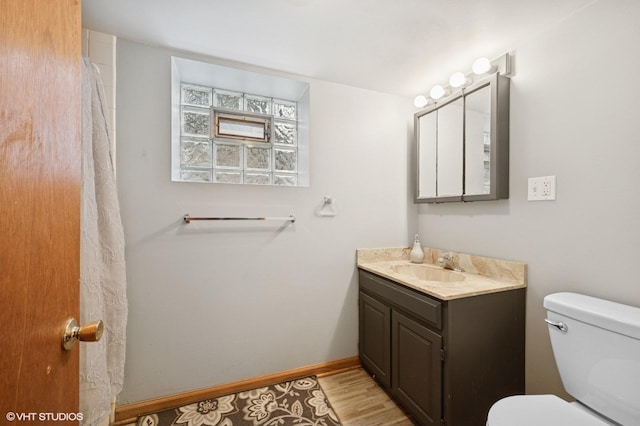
[[40, 84]]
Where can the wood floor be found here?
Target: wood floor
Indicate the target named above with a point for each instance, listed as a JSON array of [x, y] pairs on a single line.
[[359, 401]]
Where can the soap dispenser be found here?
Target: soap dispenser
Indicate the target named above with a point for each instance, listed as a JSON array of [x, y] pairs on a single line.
[[416, 255]]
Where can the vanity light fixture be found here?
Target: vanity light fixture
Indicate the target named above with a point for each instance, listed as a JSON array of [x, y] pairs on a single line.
[[421, 101], [458, 79], [482, 66], [437, 92]]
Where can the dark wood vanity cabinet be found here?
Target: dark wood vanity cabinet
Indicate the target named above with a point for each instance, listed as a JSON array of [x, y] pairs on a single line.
[[375, 337], [445, 362]]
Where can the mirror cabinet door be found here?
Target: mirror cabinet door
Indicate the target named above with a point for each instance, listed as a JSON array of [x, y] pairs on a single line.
[[449, 167], [463, 145], [477, 128], [427, 146]]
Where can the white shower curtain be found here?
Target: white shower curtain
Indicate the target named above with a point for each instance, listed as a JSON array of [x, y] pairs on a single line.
[[102, 265]]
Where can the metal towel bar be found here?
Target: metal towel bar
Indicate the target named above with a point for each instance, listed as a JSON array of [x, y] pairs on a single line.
[[290, 218]]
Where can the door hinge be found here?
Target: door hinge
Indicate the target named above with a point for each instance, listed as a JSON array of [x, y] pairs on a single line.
[[443, 354], [442, 422]]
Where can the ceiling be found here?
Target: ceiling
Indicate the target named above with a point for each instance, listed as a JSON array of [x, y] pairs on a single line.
[[395, 46]]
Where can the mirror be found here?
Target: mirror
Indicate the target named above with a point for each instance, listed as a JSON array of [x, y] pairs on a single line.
[[449, 167], [427, 129], [439, 150], [477, 138], [462, 145]]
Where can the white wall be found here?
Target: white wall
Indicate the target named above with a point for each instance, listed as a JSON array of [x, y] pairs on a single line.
[[575, 108], [213, 303]]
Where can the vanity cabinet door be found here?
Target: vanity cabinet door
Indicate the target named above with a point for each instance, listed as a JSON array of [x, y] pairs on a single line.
[[375, 338], [417, 368]]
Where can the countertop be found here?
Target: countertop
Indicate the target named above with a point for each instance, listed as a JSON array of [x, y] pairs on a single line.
[[482, 275]]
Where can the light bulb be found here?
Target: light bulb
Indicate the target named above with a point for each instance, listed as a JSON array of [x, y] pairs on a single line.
[[457, 79], [420, 101], [437, 92], [481, 66]]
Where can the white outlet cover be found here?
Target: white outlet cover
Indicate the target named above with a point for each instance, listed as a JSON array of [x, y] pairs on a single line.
[[541, 188]]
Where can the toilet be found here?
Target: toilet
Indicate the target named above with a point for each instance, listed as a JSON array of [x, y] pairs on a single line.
[[596, 344]]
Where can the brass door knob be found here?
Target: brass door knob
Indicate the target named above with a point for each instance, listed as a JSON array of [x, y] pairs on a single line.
[[91, 332]]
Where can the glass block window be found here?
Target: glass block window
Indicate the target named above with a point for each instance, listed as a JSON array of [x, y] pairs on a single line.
[[195, 122], [196, 96], [208, 153], [195, 152], [229, 100]]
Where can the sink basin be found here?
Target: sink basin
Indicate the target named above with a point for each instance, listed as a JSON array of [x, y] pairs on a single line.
[[428, 273]]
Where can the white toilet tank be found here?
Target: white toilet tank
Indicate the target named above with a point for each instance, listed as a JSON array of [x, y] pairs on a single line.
[[597, 353]]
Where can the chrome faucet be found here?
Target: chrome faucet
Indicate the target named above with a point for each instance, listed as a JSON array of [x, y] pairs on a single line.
[[447, 262]]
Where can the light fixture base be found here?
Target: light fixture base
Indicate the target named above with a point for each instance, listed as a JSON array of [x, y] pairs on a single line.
[[504, 64]]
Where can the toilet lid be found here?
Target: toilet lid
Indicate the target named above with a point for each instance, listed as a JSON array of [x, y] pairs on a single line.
[[537, 410]]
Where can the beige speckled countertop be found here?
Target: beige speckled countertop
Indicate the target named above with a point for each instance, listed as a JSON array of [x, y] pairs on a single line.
[[481, 275]]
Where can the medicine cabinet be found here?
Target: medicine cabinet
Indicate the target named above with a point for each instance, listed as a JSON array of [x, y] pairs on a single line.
[[462, 145]]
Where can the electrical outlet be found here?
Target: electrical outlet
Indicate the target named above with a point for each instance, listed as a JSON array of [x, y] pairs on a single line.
[[542, 188]]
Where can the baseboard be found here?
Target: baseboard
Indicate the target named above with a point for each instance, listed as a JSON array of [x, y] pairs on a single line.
[[126, 414]]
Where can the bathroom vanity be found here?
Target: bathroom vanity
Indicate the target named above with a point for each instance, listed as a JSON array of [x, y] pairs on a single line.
[[445, 345]]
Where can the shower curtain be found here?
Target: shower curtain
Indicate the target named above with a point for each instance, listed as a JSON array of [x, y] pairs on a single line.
[[102, 265]]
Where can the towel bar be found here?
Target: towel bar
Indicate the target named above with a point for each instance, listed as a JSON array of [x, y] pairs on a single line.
[[291, 218]]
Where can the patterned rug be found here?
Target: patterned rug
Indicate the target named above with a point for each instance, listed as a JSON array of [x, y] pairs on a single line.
[[298, 402]]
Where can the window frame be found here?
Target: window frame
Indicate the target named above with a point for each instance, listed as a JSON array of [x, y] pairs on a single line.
[[210, 85], [264, 120]]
